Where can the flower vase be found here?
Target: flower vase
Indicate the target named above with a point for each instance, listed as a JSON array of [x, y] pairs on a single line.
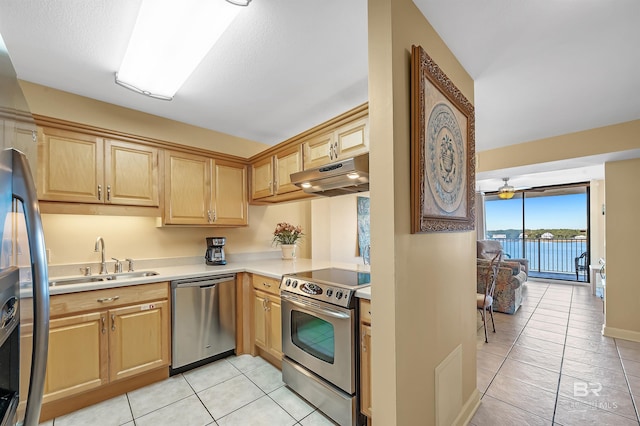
[[288, 251]]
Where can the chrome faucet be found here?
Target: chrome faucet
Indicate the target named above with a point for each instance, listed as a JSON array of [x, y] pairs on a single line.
[[100, 248]]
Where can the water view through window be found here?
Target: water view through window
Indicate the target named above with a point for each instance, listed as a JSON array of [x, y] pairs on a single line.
[[548, 226]]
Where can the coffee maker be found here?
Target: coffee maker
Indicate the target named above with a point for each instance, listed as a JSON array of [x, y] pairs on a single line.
[[215, 251]]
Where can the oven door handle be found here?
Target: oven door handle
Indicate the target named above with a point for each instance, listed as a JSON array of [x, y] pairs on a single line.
[[315, 308]]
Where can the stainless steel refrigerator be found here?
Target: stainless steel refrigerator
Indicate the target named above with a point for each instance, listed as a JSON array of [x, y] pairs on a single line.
[[23, 266]]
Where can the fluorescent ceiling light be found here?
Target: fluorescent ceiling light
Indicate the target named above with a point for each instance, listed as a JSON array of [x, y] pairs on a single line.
[[169, 40]]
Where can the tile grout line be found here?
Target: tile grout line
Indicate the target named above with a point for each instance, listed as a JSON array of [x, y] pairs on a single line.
[[626, 379], [564, 348]]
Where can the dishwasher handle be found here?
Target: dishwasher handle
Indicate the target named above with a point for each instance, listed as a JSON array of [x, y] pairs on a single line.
[[202, 282]]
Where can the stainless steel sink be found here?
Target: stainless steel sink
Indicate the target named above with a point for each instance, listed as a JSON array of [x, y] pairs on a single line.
[[98, 278]]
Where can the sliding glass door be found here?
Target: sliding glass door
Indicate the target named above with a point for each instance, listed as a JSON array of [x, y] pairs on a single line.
[[548, 226]]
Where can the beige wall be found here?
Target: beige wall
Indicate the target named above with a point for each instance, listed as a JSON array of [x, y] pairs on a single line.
[[67, 106], [335, 228], [623, 289], [597, 223], [424, 285], [71, 238], [616, 138]]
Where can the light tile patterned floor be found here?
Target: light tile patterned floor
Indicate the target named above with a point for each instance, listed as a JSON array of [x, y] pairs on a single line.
[[550, 365], [239, 390]]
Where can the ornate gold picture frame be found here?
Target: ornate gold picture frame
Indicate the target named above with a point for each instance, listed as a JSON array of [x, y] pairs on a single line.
[[442, 150]]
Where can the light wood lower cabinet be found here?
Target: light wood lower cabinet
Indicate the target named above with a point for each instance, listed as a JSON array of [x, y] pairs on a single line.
[[365, 357], [139, 339], [101, 337], [267, 322], [77, 359]]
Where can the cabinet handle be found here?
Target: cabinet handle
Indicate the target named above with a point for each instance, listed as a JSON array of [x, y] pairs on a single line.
[[335, 150], [330, 151], [99, 192], [364, 347], [215, 216], [264, 304], [103, 319], [209, 216], [108, 192], [270, 186], [113, 322], [108, 299], [275, 186], [266, 284]]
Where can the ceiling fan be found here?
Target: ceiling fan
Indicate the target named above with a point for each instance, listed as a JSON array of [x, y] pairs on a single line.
[[506, 191]]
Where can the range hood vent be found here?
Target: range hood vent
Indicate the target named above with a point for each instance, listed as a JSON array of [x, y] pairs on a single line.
[[348, 176]]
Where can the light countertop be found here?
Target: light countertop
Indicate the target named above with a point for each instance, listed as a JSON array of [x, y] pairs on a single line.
[[273, 268]]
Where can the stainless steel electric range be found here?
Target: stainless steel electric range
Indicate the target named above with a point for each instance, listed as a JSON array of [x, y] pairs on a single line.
[[320, 339]]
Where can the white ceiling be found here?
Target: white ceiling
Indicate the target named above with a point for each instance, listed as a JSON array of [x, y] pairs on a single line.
[[541, 68]]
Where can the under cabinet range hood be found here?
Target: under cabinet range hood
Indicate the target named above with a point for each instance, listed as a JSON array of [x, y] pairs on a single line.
[[342, 177]]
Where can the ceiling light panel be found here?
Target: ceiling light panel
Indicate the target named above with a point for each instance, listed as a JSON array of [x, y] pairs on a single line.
[[169, 41]]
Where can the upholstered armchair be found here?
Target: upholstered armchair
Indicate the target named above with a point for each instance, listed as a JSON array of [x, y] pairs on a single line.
[[487, 249], [507, 296]]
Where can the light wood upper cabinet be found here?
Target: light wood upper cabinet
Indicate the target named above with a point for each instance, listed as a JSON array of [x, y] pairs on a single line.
[[131, 174], [71, 167], [262, 178], [345, 141], [286, 162], [188, 190], [80, 168], [271, 175], [204, 191], [231, 202]]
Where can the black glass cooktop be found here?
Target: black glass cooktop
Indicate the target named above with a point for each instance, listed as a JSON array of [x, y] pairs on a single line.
[[336, 276]]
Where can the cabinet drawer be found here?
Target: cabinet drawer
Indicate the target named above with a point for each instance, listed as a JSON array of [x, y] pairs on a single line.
[[270, 285], [365, 311], [95, 300]]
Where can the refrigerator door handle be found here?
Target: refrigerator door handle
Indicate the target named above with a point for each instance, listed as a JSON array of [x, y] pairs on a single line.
[[25, 191]]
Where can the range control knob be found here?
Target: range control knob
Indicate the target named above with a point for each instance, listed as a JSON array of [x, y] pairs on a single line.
[[288, 282], [329, 293], [339, 294], [295, 284]]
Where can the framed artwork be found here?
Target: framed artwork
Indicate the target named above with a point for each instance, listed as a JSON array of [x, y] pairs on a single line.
[[442, 150]]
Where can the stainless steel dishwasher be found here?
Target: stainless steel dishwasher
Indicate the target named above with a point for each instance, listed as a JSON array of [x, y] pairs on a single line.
[[203, 320]]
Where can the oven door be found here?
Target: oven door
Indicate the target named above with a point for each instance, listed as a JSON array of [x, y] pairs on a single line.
[[321, 338]]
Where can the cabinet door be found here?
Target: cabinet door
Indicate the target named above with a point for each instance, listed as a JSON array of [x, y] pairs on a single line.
[[70, 167], [353, 138], [260, 319], [319, 150], [274, 312], [262, 178], [187, 189], [287, 162], [231, 201], [131, 174], [138, 339], [365, 370], [77, 357]]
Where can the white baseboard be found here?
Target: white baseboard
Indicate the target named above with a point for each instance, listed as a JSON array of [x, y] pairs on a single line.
[[620, 333], [468, 409]]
